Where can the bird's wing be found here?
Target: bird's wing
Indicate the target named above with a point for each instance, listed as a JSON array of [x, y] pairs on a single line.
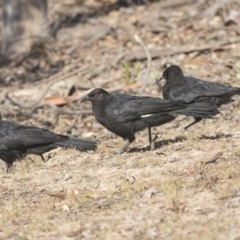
[[115, 107], [16, 136], [133, 108], [193, 88]]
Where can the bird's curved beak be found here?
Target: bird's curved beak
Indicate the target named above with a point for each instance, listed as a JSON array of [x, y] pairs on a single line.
[[84, 99]]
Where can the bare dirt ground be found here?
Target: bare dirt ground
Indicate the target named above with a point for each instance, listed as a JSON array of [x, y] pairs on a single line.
[[187, 188]]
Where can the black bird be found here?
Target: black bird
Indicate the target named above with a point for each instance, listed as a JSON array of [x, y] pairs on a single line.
[[16, 141], [196, 91], [125, 115]]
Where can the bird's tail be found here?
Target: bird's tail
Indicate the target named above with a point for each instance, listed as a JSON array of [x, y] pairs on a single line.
[[199, 110], [78, 143], [235, 91]]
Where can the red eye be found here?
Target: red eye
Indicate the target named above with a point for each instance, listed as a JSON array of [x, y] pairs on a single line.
[[96, 95]]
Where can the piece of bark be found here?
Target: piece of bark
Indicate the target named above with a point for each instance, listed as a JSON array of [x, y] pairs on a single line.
[[24, 22], [156, 53]]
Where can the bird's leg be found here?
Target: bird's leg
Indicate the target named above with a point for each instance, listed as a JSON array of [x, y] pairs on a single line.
[[150, 138], [121, 150], [9, 166], [43, 159], [193, 123]]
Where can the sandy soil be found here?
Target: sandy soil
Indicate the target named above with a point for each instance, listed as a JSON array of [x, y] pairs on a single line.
[[187, 188]]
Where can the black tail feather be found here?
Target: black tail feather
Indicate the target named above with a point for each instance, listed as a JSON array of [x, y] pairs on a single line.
[[78, 143], [235, 91], [199, 110]]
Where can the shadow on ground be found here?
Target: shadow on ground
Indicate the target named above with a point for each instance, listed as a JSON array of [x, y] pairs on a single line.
[[166, 142], [218, 136], [159, 144]]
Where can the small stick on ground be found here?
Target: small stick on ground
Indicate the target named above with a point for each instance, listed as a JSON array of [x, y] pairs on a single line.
[[156, 136], [213, 159]]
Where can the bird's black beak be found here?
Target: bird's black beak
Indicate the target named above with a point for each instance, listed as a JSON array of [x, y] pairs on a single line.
[[84, 99], [160, 79]]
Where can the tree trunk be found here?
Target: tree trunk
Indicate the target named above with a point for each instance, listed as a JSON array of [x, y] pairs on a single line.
[[23, 23]]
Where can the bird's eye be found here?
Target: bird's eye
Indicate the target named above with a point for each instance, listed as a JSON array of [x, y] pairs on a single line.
[[96, 95]]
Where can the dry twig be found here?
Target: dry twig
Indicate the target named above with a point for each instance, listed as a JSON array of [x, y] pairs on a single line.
[[156, 53], [213, 159], [149, 62], [90, 41], [34, 105]]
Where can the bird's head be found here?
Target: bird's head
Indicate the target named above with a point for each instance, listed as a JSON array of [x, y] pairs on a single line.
[[172, 73], [96, 95]]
